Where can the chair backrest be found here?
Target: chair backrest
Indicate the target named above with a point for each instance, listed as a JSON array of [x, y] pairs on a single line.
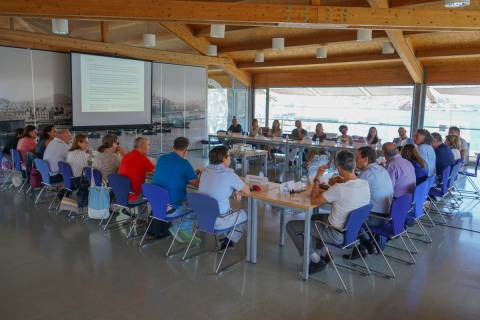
[[354, 222], [398, 212], [121, 188], [419, 197], [67, 174], [205, 208], [158, 198], [17, 162], [44, 169], [87, 173], [444, 181]]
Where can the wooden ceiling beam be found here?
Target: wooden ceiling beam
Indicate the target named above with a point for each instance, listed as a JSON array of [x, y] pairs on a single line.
[[185, 33], [104, 31], [249, 14], [66, 44], [403, 48], [229, 31]]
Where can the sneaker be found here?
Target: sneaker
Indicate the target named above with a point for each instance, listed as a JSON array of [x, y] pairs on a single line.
[[186, 236], [224, 243], [316, 267], [173, 230], [355, 254]]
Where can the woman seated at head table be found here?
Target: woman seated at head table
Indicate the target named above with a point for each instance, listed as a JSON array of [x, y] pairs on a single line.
[[274, 132], [344, 138], [107, 159], [319, 137], [372, 137]]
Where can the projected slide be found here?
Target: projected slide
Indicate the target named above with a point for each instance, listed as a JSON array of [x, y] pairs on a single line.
[[109, 91], [112, 84]]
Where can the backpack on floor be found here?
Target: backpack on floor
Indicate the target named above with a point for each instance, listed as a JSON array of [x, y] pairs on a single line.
[[98, 201]]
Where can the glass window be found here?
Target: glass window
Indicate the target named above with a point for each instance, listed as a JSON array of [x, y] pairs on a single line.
[[457, 106], [260, 106], [386, 108]]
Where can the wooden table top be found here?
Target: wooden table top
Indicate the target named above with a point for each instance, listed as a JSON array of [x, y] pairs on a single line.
[[297, 200]]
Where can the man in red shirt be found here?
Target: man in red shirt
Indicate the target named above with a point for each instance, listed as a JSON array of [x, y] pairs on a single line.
[[135, 166]]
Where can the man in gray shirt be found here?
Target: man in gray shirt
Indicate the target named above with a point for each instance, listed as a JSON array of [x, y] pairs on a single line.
[[57, 150]]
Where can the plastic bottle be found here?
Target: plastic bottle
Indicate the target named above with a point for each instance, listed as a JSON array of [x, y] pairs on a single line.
[[304, 181]]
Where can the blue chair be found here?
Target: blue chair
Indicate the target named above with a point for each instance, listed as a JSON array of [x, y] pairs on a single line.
[[475, 194], [356, 219], [207, 211], [440, 190], [395, 225], [121, 189], [159, 200], [44, 169], [67, 175], [17, 167], [417, 211], [87, 173]]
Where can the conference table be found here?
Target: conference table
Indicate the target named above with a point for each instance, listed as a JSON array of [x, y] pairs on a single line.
[[287, 144], [273, 196], [247, 154]]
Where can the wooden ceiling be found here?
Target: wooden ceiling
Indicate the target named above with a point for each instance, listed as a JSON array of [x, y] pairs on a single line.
[[431, 43]]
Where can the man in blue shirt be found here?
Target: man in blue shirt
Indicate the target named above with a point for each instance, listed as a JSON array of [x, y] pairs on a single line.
[[173, 172], [423, 140], [444, 156]]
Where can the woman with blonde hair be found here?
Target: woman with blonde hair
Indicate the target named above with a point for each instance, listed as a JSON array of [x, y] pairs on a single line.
[[453, 142]]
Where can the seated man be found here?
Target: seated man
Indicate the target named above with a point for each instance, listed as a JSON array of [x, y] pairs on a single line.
[[219, 181], [401, 171], [57, 150], [135, 165], [346, 193], [444, 156], [235, 127], [297, 134], [402, 138], [173, 172], [381, 193]]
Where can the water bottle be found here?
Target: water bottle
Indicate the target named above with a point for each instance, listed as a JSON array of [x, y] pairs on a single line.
[[304, 181], [285, 190], [261, 174]]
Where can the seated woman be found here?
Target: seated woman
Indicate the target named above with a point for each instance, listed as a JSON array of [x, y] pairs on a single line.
[[77, 156], [453, 142], [109, 155], [28, 142], [344, 138], [410, 153], [254, 129], [48, 133], [372, 137], [319, 136], [275, 132]]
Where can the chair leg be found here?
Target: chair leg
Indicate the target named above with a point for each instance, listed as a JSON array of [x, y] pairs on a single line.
[[7, 179], [420, 224], [23, 185], [415, 250], [363, 260], [53, 200], [145, 234], [190, 244], [109, 219], [175, 238], [380, 250], [39, 194], [408, 250]]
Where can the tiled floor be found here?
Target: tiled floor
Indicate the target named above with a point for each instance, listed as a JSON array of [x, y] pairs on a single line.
[[54, 268]]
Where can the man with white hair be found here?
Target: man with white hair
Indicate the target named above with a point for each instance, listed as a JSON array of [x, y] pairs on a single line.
[[57, 150]]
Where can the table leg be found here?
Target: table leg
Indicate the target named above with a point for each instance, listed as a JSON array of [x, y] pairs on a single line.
[[306, 243], [287, 156], [253, 249], [282, 228], [266, 165], [244, 165], [249, 229]]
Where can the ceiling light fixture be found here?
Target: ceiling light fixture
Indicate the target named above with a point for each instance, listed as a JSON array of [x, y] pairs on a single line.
[[321, 53], [259, 57], [388, 48], [278, 43], [456, 3], [364, 34], [60, 26], [149, 40], [217, 31], [212, 50]]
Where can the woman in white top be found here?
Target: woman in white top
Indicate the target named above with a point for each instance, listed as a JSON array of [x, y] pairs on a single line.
[[453, 142], [255, 129], [78, 155]]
